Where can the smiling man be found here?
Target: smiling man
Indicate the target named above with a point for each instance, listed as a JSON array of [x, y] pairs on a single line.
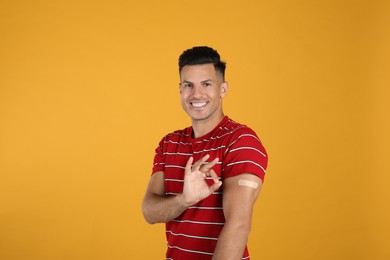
[[207, 177]]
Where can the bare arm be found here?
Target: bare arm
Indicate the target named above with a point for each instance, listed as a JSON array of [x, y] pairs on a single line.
[[159, 208], [238, 202]]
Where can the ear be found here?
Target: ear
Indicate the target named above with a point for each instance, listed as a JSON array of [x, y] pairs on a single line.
[[224, 89]]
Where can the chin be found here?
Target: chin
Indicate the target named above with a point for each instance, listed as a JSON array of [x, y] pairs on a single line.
[[198, 117]]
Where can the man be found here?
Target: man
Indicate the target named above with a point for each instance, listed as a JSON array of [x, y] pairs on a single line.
[[206, 178]]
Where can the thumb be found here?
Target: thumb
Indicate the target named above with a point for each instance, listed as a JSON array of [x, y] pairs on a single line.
[[189, 165], [215, 186]]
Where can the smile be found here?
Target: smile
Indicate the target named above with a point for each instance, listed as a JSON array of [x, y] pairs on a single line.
[[198, 104]]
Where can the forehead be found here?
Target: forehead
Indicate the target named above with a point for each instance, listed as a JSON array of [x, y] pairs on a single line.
[[198, 72]]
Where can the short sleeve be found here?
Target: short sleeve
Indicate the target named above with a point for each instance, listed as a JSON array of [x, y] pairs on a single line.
[[159, 161], [245, 154]]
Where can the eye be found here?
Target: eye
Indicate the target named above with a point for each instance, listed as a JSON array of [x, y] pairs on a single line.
[[207, 84], [187, 85]]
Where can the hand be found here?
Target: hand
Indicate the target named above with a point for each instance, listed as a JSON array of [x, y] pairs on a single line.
[[195, 186]]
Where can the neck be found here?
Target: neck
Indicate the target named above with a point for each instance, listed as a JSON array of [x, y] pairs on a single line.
[[205, 126]]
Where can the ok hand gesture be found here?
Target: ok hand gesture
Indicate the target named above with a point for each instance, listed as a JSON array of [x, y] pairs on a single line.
[[195, 186]]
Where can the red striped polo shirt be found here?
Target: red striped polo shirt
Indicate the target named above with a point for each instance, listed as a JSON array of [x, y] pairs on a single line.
[[194, 234]]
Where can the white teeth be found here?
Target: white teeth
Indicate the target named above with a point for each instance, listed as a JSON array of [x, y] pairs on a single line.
[[199, 104]]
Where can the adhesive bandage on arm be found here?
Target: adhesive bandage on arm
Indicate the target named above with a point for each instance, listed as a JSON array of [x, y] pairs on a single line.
[[250, 184]]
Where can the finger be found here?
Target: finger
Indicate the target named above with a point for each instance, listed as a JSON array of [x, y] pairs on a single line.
[[188, 165], [213, 175], [209, 165], [215, 187], [199, 163]]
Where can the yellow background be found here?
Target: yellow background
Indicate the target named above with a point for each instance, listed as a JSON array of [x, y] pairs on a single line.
[[88, 88]]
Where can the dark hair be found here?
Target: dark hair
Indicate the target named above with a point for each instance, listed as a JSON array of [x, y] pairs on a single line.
[[200, 55]]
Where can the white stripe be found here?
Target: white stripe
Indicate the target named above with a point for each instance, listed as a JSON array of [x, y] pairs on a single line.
[[211, 149], [174, 180], [174, 166], [181, 134], [172, 142], [220, 136], [228, 133], [181, 167], [159, 163], [248, 148], [185, 235], [186, 154], [199, 222], [239, 138], [205, 207], [191, 251], [230, 164], [250, 135]]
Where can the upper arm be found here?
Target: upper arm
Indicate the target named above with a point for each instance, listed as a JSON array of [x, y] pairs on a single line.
[[156, 182], [156, 185], [239, 198], [245, 154]]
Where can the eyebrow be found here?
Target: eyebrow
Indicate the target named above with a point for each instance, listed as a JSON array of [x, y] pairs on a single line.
[[207, 80], [203, 81]]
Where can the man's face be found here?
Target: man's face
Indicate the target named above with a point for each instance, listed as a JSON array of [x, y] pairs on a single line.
[[201, 92]]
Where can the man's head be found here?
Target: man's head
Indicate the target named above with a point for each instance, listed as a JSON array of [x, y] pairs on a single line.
[[202, 84], [202, 55]]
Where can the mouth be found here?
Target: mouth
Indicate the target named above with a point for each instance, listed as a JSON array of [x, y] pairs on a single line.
[[198, 105]]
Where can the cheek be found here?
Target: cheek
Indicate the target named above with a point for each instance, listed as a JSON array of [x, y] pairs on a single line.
[[183, 99], [183, 96], [217, 94]]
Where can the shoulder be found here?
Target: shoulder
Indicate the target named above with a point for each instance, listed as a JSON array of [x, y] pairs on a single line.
[[244, 153], [176, 136], [238, 131], [243, 139]]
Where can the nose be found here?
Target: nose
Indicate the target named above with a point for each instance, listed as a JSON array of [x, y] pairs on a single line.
[[198, 92]]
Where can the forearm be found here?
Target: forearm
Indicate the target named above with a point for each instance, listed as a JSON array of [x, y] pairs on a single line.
[[161, 209], [158, 208], [231, 242]]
